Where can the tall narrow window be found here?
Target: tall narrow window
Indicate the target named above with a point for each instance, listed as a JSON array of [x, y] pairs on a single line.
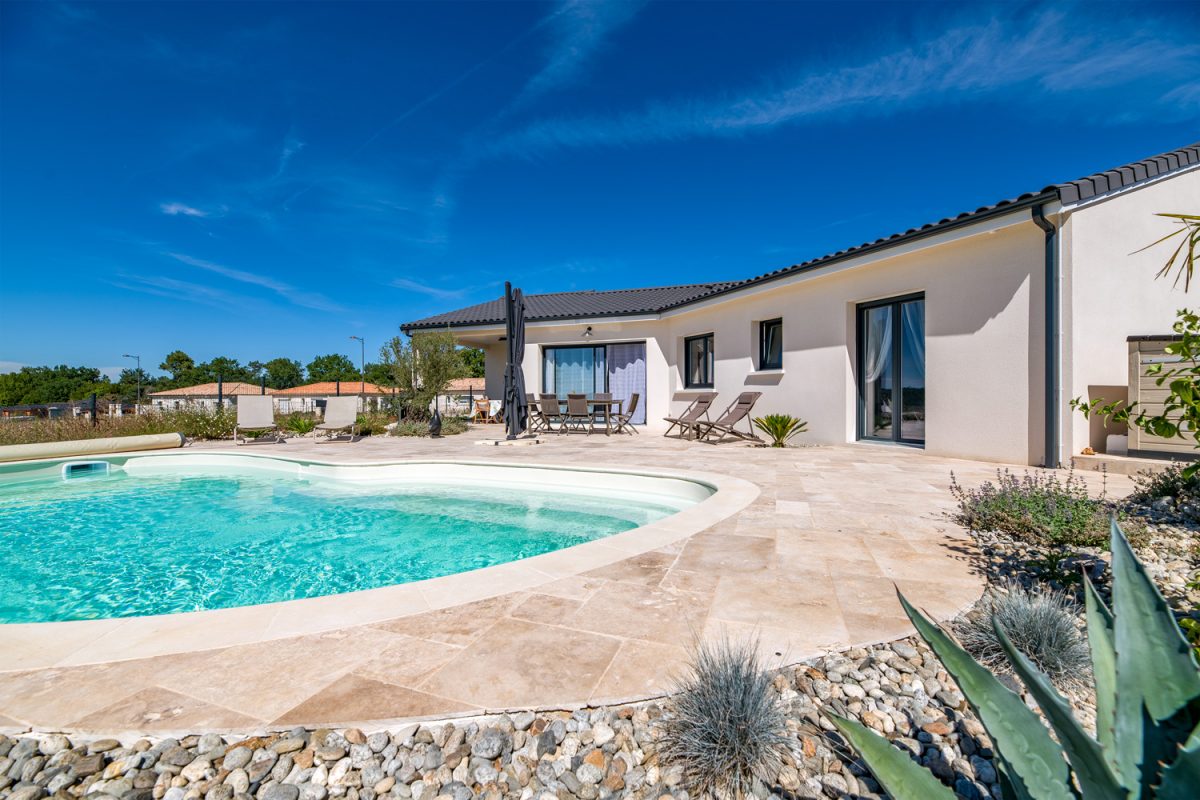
[[770, 344], [891, 370], [698, 362]]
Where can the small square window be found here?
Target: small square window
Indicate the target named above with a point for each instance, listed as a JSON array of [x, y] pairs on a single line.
[[698, 362], [770, 344]]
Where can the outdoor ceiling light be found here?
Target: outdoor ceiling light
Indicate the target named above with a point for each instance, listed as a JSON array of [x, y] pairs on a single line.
[[588, 333]]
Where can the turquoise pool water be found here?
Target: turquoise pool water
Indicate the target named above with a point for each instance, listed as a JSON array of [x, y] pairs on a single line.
[[130, 545]]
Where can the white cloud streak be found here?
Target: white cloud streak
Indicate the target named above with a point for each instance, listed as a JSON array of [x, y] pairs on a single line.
[[177, 209], [290, 293], [1047, 54], [432, 291]]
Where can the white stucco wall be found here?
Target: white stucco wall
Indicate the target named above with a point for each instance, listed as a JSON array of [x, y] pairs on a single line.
[[983, 317], [1110, 292]]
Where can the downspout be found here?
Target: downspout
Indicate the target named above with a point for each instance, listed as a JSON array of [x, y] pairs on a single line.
[[1053, 366]]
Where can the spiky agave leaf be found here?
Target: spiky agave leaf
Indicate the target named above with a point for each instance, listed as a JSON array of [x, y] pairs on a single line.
[[1104, 674], [903, 778], [1032, 761]]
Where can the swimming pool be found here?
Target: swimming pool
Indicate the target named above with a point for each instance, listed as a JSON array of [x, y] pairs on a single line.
[[165, 534]]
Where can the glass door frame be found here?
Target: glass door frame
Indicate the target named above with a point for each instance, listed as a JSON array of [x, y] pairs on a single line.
[[897, 345]]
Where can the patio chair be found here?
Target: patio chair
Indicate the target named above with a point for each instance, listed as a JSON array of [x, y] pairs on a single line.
[[550, 409], [537, 420], [624, 419], [690, 416], [341, 413], [255, 413], [481, 410], [578, 413], [722, 429]]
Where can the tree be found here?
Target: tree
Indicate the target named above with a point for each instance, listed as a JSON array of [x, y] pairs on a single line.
[[422, 367], [126, 387], [473, 359], [378, 374], [283, 373], [333, 367], [179, 364], [34, 385]]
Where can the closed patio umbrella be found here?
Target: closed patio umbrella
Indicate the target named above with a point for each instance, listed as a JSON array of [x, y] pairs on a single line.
[[516, 409]]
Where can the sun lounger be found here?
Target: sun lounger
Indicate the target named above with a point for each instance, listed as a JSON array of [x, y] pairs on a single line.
[[341, 414], [255, 413], [691, 415], [723, 428]]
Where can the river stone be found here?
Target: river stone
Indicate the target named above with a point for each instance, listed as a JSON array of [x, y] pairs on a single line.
[[239, 780], [288, 745], [102, 746], [54, 744], [236, 758], [312, 791], [30, 792], [281, 791], [378, 741], [491, 743]]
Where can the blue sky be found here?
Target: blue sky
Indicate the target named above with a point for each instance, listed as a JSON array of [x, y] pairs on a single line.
[[267, 179]]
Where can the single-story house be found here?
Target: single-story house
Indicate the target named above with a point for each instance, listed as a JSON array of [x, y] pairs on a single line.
[[461, 394], [205, 395], [311, 396], [968, 336]]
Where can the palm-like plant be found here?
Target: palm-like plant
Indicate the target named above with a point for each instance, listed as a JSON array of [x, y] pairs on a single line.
[[780, 427], [1185, 251], [1147, 683]]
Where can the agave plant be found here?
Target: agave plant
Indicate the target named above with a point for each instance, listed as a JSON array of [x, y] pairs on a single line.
[[780, 427], [1147, 682]]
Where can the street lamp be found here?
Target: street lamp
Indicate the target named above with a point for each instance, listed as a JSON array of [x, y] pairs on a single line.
[[362, 366], [137, 408]]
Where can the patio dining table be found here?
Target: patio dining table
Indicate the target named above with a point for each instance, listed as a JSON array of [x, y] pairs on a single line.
[[607, 405]]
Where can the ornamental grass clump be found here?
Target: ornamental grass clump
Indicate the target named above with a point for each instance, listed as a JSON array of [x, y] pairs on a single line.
[[1039, 508], [780, 427], [725, 727], [1040, 622]]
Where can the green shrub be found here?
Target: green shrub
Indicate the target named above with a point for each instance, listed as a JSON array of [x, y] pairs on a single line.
[[1040, 622], [194, 423], [411, 427], [373, 423], [780, 427], [452, 426], [1040, 508], [1147, 689], [204, 423], [725, 727], [298, 422], [1174, 482]]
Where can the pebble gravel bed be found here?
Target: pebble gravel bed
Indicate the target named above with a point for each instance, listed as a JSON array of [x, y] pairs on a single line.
[[898, 689]]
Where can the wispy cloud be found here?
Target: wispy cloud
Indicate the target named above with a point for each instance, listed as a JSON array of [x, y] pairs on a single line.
[[1048, 54], [177, 209], [290, 293], [291, 146], [432, 291], [181, 291], [579, 29]]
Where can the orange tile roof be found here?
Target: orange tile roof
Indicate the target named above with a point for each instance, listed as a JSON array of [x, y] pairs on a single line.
[[465, 384], [326, 388], [210, 390]]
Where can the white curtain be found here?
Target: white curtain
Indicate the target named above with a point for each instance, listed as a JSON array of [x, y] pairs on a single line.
[[627, 375], [879, 343], [914, 328]]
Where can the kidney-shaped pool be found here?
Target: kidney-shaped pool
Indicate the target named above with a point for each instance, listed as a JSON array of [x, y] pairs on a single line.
[[147, 535]]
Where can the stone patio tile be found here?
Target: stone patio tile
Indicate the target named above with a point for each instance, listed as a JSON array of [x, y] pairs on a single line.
[[778, 646], [864, 629], [684, 580], [459, 625], [546, 609], [640, 670], [647, 569], [157, 709], [517, 663], [406, 661], [722, 555], [575, 587], [56, 697], [356, 698], [773, 601], [649, 613], [263, 680]]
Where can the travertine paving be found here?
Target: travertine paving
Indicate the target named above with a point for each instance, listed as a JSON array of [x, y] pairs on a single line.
[[810, 566]]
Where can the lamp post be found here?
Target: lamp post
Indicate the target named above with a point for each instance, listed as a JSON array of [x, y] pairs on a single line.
[[137, 408], [362, 366]]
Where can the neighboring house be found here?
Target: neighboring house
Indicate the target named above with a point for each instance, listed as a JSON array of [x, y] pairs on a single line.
[[967, 336], [204, 395], [311, 397], [460, 395]]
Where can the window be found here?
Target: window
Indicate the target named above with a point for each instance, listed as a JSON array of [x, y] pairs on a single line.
[[698, 358], [619, 369], [770, 344]]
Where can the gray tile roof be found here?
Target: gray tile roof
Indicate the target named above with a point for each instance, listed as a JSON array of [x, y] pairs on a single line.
[[624, 302]]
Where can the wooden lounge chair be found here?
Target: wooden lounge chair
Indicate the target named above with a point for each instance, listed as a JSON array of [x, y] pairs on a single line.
[[722, 429], [255, 413], [690, 416], [537, 420], [624, 419], [482, 410], [579, 414], [341, 414]]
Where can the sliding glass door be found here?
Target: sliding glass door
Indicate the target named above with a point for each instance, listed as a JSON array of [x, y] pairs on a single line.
[[891, 370], [619, 369]]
